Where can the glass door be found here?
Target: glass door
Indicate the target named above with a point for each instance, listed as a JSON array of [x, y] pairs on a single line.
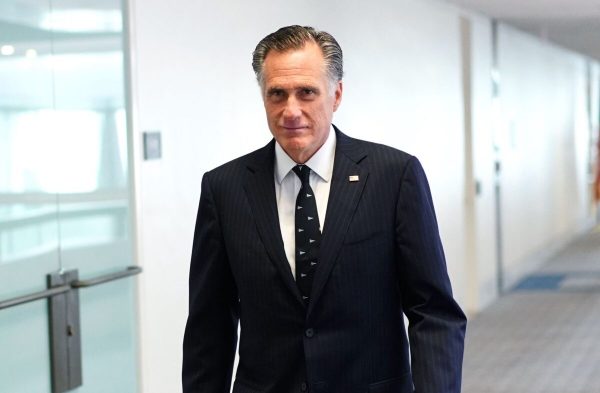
[[65, 190]]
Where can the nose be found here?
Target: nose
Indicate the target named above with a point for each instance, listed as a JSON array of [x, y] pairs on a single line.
[[292, 110]]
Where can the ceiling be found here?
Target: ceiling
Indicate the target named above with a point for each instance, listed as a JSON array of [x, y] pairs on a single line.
[[574, 24]]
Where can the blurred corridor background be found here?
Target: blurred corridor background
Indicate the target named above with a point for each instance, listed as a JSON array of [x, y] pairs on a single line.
[[111, 111]]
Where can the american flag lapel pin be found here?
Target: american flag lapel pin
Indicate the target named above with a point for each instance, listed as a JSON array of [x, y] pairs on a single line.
[[353, 178]]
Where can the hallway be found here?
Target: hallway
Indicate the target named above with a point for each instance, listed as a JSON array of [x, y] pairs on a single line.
[[543, 336]]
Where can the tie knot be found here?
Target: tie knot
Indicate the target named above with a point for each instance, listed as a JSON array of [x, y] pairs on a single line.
[[303, 172]]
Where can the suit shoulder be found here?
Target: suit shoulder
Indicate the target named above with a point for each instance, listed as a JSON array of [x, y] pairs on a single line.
[[382, 154]]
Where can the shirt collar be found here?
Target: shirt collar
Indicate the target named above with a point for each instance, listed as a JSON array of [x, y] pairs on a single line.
[[321, 162]]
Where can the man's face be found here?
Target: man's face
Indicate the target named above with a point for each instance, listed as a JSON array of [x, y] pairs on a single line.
[[299, 100]]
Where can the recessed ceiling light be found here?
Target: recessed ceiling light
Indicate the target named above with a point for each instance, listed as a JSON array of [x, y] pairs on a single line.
[[7, 50], [31, 53]]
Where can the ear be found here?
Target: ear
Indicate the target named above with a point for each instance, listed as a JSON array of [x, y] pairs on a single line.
[[339, 87]]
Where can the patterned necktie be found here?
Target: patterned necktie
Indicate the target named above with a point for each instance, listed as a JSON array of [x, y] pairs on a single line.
[[308, 234]]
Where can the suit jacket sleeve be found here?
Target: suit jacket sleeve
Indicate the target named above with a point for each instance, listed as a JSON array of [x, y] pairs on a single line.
[[211, 331], [436, 323]]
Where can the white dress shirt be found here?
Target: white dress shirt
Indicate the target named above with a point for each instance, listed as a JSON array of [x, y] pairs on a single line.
[[287, 186]]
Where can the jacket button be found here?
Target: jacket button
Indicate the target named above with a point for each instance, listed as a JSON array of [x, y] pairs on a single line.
[[309, 332], [303, 387]]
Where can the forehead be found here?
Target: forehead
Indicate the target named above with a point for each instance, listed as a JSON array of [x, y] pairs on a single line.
[[304, 63]]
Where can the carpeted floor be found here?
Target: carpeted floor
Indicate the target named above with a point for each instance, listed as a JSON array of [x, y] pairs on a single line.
[[543, 336]]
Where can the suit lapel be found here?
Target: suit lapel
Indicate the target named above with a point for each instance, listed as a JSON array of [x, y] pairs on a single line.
[[260, 188], [344, 196]]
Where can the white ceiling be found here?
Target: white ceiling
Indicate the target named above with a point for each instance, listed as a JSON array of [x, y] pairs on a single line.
[[574, 24]]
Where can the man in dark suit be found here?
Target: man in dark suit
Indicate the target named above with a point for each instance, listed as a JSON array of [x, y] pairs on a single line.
[[318, 244]]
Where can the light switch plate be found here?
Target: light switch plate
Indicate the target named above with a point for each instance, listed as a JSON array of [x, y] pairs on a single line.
[[152, 145]]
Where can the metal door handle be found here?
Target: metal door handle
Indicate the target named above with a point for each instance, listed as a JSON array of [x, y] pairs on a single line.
[[130, 271], [34, 296]]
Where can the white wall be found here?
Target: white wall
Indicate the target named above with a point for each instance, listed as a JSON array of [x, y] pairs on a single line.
[[543, 140], [192, 80]]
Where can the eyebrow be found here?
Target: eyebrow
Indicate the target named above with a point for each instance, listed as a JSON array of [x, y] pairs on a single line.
[[276, 89], [308, 87]]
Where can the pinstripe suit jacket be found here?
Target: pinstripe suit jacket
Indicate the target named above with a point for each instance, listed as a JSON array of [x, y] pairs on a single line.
[[380, 257]]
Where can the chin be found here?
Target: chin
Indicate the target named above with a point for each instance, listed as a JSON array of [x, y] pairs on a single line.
[[293, 146], [294, 140]]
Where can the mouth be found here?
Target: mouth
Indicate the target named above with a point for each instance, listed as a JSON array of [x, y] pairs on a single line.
[[294, 128]]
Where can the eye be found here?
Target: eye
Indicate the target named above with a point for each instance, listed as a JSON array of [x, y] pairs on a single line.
[[307, 93], [276, 94]]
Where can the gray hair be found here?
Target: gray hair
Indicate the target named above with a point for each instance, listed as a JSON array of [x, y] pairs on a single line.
[[295, 37]]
